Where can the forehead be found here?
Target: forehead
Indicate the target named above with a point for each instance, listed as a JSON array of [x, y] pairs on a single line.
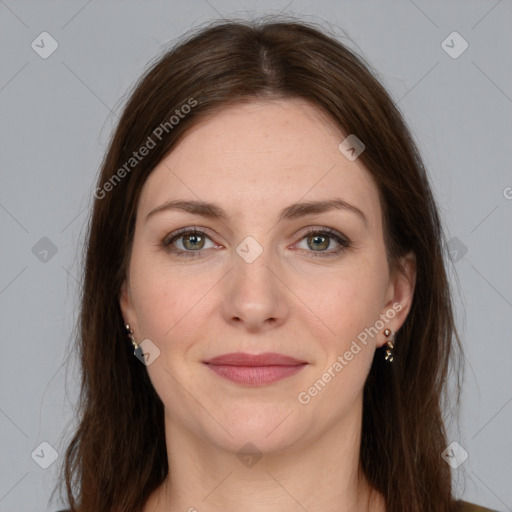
[[247, 154]]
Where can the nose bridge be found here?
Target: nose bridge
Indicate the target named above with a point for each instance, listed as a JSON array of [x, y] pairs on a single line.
[[251, 262], [255, 294]]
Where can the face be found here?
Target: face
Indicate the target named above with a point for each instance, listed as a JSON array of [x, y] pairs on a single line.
[[264, 277]]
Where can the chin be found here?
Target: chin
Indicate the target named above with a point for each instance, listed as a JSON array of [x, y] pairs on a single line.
[[269, 427]]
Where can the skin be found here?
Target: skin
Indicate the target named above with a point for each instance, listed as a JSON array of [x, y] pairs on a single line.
[[255, 159]]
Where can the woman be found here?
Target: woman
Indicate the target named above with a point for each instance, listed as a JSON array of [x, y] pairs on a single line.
[[266, 319]]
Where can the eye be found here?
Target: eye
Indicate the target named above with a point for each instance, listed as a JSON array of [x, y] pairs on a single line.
[[192, 242], [319, 240]]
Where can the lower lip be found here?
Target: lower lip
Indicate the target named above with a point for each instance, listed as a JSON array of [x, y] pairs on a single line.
[[255, 375]]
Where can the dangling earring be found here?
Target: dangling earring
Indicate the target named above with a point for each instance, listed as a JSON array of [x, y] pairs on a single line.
[[390, 344], [132, 338]]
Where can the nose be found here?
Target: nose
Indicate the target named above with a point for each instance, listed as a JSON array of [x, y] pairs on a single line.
[[255, 296]]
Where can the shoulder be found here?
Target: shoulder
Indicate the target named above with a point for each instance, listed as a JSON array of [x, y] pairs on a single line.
[[464, 506]]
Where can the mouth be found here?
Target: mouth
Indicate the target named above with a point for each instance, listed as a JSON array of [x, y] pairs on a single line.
[[255, 370]]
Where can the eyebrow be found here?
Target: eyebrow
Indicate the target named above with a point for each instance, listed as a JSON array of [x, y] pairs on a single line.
[[294, 211]]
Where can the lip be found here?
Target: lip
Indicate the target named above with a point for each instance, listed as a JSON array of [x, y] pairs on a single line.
[[244, 359], [255, 369]]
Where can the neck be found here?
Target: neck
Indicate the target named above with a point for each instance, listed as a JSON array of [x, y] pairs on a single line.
[[324, 475]]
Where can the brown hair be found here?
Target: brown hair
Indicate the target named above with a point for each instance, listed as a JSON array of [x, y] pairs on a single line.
[[117, 456]]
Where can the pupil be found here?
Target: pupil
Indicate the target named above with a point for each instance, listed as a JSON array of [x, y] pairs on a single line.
[[193, 239], [319, 239]]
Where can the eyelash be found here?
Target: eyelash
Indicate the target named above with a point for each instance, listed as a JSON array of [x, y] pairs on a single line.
[[344, 242]]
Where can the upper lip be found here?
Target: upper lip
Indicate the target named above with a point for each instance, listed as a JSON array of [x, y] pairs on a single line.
[[244, 359]]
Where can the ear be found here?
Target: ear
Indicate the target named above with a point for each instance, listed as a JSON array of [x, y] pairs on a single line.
[[399, 294], [126, 305]]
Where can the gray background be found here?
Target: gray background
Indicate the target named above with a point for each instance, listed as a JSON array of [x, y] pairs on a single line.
[[57, 114]]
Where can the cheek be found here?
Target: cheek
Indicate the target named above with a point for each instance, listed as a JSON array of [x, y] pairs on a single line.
[[156, 304], [165, 296], [351, 300], [349, 309]]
